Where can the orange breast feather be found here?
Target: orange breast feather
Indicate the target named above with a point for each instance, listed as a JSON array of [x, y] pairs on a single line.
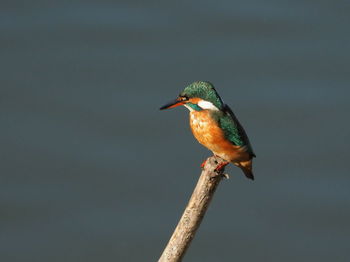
[[209, 134]]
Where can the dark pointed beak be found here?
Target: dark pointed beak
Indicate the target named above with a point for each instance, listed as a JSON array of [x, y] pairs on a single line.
[[172, 104]]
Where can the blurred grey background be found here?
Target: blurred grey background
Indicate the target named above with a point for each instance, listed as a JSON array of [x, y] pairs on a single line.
[[92, 171]]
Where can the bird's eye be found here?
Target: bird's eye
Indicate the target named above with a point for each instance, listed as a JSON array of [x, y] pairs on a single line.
[[183, 98]]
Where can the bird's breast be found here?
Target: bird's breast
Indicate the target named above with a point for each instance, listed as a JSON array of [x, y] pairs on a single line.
[[208, 132]]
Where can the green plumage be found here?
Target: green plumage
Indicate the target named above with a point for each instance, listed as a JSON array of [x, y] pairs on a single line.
[[205, 91], [194, 106], [233, 129], [230, 129]]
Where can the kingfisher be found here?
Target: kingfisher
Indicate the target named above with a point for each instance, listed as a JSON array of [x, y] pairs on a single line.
[[215, 126]]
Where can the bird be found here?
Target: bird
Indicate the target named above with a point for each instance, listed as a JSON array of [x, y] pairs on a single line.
[[215, 126]]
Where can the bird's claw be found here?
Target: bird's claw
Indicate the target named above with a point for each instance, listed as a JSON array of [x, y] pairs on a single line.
[[221, 166], [226, 176]]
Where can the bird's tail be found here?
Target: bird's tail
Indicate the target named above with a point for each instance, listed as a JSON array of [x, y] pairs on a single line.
[[247, 167]]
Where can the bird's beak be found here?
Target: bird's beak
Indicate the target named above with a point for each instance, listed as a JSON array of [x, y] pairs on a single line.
[[177, 102]]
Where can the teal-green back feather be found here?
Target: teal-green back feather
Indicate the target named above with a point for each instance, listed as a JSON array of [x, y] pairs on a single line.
[[232, 128]]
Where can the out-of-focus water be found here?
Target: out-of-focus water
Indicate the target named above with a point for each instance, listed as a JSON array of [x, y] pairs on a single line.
[[92, 171]]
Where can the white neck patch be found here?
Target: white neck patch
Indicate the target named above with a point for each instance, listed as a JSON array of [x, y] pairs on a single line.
[[207, 105]]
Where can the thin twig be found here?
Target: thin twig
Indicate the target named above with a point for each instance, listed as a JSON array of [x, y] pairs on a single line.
[[194, 212]]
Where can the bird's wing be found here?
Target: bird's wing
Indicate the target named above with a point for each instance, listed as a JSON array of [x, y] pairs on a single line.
[[234, 131]]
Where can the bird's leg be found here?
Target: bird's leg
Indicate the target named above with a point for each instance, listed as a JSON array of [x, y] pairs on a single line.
[[221, 166]]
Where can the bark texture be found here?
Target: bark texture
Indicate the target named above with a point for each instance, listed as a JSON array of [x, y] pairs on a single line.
[[194, 212]]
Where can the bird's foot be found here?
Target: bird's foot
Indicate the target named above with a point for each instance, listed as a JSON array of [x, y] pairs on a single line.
[[221, 166], [203, 164], [226, 176]]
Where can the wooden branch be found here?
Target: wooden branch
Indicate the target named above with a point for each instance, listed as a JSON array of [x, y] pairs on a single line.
[[194, 212]]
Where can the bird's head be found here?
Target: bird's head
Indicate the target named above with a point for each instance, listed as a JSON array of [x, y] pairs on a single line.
[[197, 96]]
